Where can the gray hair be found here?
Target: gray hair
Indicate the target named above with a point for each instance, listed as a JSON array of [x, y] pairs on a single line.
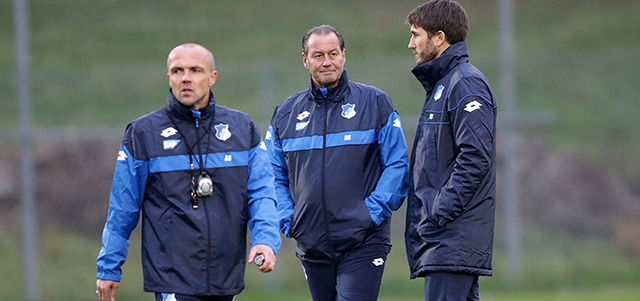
[[321, 30]]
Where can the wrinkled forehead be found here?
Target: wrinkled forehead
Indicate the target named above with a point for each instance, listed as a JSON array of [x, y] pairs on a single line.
[[323, 42]]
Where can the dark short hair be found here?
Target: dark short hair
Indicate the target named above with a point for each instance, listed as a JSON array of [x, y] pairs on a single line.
[[445, 15], [321, 30]]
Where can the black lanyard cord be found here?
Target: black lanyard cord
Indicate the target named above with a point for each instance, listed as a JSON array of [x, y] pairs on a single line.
[[192, 154]]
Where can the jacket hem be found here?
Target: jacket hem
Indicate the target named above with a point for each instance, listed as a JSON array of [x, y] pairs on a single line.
[[450, 269], [228, 292]]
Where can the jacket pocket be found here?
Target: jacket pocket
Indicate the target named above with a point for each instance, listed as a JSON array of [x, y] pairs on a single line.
[[431, 150], [294, 223]]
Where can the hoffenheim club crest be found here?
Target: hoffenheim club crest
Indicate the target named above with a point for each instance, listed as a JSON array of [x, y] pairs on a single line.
[[222, 131], [438, 93], [348, 110]]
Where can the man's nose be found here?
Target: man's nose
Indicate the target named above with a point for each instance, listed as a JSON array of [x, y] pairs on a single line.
[[186, 77], [326, 61]]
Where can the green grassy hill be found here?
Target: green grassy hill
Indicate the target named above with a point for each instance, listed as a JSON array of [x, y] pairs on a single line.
[[102, 64]]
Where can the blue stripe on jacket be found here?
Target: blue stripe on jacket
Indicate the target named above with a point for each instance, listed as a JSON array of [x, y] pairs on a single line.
[[213, 160], [333, 140]]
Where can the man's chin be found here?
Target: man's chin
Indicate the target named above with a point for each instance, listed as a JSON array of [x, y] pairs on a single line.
[[186, 101], [330, 81]]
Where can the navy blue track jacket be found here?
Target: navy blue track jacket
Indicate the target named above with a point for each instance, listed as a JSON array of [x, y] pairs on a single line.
[[185, 250], [450, 208], [341, 168]]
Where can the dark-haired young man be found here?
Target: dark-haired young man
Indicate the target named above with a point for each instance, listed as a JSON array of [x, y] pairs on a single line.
[[451, 203]]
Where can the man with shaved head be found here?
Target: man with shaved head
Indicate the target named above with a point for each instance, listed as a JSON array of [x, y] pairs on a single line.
[[194, 93], [198, 174]]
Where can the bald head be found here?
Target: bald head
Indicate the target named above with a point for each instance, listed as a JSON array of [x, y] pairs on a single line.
[[191, 73], [195, 49]]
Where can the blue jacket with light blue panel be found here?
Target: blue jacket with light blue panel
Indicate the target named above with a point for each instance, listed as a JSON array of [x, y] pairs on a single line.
[[186, 250], [341, 168]]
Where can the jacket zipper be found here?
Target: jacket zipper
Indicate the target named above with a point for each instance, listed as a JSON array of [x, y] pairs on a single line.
[[206, 215], [323, 173]]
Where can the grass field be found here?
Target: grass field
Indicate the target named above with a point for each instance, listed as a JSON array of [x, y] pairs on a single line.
[[554, 267]]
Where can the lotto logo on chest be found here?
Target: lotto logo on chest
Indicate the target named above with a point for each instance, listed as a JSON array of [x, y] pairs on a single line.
[[302, 124], [169, 144]]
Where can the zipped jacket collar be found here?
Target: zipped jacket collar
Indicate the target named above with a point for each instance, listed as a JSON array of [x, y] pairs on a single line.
[[334, 94], [429, 73], [183, 112]]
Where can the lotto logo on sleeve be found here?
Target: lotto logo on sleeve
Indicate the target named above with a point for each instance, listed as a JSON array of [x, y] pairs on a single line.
[[122, 156], [378, 262], [472, 106]]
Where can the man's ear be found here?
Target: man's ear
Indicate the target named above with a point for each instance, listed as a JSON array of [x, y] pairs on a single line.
[[440, 38], [304, 60], [213, 78]]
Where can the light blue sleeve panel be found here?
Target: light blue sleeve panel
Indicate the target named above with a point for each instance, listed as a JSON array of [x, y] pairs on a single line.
[[393, 184], [263, 215], [127, 192], [280, 172]]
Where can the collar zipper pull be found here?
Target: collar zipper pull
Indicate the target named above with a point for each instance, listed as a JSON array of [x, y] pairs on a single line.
[[196, 115]]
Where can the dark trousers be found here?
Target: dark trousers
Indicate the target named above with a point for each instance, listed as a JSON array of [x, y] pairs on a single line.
[[356, 277], [442, 286], [180, 297]]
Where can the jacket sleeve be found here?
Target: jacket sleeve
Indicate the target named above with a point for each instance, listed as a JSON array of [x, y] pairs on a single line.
[[393, 184], [263, 216], [125, 201], [473, 125], [280, 170]]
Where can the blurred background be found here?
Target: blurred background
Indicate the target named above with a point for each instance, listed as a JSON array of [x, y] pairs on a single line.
[[574, 134]]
